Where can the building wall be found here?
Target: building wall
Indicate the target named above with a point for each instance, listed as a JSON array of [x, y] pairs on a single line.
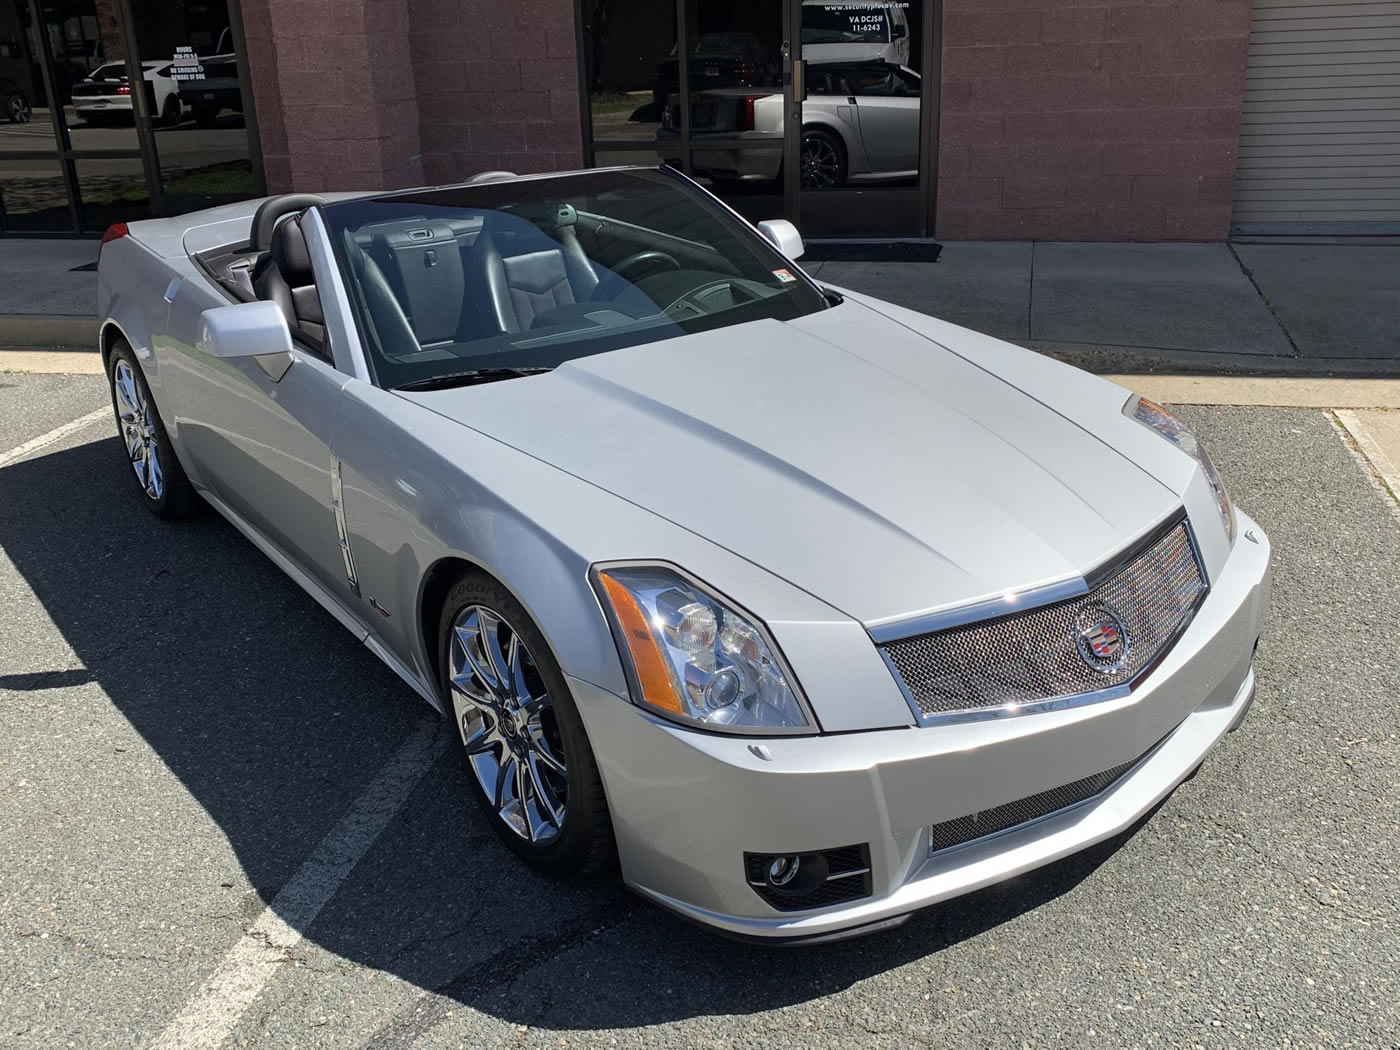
[[1068, 120], [380, 94], [498, 86]]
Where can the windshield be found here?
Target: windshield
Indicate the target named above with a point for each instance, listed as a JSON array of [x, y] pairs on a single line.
[[843, 23], [532, 273]]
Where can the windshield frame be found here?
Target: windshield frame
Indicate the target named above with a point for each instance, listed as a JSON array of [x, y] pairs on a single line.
[[732, 221]]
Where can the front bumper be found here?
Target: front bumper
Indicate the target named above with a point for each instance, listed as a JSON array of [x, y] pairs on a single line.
[[687, 805]]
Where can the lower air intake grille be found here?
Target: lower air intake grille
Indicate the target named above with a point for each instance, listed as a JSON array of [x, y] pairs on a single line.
[[1039, 654], [961, 830]]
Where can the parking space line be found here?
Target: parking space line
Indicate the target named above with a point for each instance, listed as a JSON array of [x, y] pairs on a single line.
[[56, 434], [241, 975]]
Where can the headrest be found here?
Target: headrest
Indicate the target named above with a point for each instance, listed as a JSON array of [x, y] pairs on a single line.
[[290, 254]]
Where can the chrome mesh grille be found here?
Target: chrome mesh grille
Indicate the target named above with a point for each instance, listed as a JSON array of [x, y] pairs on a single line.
[[952, 833], [1034, 656]]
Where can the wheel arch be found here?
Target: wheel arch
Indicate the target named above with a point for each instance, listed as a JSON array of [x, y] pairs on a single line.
[[107, 338]]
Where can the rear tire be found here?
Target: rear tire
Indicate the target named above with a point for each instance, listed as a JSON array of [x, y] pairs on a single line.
[[823, 160], [17, 108], [517, 728], [170, 112], [205, 116], [146, 446]]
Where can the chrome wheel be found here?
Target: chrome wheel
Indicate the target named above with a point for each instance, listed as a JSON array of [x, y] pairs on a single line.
[[19, 109], [504, 714], [821, 162], [138, 424]]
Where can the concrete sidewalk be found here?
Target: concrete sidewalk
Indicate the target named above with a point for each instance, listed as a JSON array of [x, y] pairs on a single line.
[[1262, 309], [47, 299], [1247, 308]]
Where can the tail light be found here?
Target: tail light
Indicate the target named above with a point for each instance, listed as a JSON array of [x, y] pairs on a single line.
[[123, 90], [748, 121], [116, 230]]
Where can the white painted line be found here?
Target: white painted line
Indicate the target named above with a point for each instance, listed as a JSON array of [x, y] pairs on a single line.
[[56, 434], [211, 1015], [1380, 463]]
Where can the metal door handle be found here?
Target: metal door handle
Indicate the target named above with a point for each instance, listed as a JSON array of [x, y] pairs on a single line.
[[799, 87]]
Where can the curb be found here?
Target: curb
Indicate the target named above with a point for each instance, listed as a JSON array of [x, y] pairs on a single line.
[[1148, 360], [48, 332]]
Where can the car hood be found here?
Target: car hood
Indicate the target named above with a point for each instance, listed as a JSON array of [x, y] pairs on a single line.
[[844, 452]]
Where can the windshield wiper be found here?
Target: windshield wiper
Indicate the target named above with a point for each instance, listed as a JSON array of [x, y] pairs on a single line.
[[476, 375]]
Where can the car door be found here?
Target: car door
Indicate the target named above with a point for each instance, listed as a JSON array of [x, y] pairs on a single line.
[[887, 98], [260, 445]]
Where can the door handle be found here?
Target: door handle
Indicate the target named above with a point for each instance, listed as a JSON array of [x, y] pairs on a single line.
[[799, 85]]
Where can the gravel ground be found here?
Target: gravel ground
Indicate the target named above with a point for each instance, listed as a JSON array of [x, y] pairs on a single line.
[[180, 725]]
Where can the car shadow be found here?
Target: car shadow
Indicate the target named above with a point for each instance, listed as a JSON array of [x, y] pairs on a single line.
[[275, 720]]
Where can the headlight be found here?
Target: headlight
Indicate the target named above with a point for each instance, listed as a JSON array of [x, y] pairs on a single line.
[[1154, 417], [693, 657]]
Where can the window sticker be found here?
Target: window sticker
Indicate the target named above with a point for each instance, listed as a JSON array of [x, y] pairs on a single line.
[[785, 276]]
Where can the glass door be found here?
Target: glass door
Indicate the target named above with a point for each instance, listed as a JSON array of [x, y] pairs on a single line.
[[734, 64], [861, 125]]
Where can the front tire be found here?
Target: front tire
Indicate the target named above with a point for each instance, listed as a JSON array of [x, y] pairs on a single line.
[[164, 488], [524, 748]]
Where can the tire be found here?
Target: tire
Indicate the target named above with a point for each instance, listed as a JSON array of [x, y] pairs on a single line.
[[823, 160], [205, 116], [167, 492], [17, 109], [170, 112], [507, 733]]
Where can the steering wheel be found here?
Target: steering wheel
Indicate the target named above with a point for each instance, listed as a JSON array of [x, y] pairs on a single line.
[[648, 262]]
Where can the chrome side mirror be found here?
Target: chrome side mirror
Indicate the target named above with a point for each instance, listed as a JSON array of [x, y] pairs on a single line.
[[783, 235], [257, 330]]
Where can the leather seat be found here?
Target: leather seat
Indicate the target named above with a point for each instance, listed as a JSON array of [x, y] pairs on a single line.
[[528, 274], [284, 276]]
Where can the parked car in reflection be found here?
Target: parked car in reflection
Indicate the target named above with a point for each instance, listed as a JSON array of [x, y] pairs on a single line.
[[16, 108], [105, 94], [855, 31], [860, 123], [217, 90], [720, 60]]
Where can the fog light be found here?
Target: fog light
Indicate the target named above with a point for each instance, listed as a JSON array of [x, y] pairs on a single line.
[[783, 870]]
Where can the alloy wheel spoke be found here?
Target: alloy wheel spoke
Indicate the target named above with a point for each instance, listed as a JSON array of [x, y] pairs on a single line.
[[154, 475], [539, 747], [506, 775], [490, 634], [470, 639], [542, 792]]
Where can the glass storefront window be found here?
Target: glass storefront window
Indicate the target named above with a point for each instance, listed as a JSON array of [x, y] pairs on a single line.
[[188, 87], [201, 137], [629, 60], [112, 191], [32, 196]]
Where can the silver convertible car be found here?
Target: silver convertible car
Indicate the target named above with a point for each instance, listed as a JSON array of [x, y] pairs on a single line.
[[807, 610]]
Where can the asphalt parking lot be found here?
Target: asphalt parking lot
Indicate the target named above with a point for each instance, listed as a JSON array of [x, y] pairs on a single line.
[[191, 749]]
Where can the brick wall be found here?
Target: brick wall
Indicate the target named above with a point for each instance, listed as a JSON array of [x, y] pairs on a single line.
[[1064, 120], [378, 94], [497, 86], [334, 88]]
